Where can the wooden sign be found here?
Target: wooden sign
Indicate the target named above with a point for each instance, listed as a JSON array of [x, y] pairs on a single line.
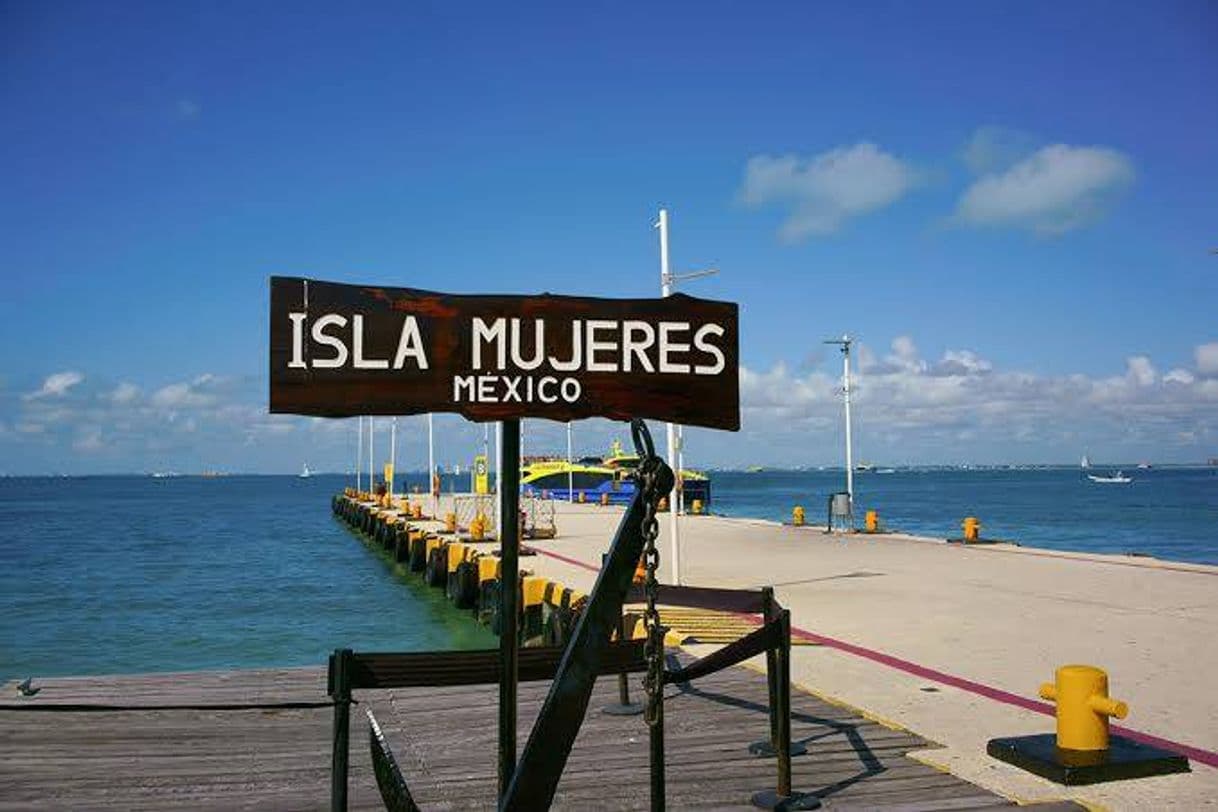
[[344, 350]]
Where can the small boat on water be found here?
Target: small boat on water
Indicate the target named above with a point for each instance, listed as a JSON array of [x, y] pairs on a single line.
[[1118, 478], [305, 473]]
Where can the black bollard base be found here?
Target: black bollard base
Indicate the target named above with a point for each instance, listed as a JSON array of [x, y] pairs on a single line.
[[1123, 759], [769, 799], [765, 749], [619, 709]]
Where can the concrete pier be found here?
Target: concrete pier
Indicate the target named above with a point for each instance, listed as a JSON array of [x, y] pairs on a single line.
[[951, 641]]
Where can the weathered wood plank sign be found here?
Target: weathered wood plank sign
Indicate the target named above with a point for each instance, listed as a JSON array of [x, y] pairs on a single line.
[[343, 350]]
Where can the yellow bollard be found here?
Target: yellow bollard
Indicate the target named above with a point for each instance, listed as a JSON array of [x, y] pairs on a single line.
[[872, 521], [583, 497], [1083, 707], [696, 507], [972, 528], [477, 528], [604, 499], [416, 510], [797, 516], [450, 522]]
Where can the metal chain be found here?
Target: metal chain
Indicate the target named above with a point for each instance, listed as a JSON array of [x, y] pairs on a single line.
[[653, 648]]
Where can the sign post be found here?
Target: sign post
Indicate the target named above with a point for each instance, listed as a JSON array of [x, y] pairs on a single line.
[[343, 350]]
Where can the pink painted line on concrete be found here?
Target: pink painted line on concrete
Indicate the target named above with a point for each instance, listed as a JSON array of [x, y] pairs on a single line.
[[980, 689], [997, 694]]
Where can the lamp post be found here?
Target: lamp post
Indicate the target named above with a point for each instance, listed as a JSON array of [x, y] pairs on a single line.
[[431, 466], [844, 343], [570, 471], [668, 281]]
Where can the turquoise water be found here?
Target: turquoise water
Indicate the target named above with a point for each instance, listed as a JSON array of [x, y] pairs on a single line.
[[131, 574], [1169, 513], [106, 575]]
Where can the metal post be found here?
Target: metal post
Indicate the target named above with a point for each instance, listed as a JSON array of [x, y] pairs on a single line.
[[509, 586], [431, 467], [570, 470], [623, 707], [771, 666], [371, 463], [359, 454], [783, 658], [393, 454], [340, 692], [673, 508], [849, 449], [656, 757]]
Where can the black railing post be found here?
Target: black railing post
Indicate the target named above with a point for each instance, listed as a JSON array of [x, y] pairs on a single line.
[[509, 606], [783, 744], [656, 742], [782, 796], [340, 692], [624, 706]]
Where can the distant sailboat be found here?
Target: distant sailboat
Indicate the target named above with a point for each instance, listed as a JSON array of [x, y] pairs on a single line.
[[1086, 463], [305, 473]]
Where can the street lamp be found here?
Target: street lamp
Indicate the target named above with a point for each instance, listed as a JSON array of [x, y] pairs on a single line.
[[844, 342]]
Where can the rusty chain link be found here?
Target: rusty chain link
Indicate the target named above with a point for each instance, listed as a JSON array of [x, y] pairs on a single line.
[[653, 648]]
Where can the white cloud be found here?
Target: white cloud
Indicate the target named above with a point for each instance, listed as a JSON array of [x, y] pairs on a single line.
[[56, 385], [1206, 356], [193, 394], [827, 189], [1140, 370], [124, 393], [1058, 188], [89, 440], [993, 149], [919, 408]]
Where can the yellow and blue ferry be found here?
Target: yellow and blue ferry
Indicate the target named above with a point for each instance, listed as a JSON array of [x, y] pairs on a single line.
[[594, 476]]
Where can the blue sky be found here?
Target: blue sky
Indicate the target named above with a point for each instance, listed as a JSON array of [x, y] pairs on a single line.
[[1011, 206]]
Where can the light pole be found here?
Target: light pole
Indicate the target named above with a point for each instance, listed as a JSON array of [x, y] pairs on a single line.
[[371, 464], [668, 280], [844, 342], [570, 471], [431, 467], [359, 452], [393, 455]]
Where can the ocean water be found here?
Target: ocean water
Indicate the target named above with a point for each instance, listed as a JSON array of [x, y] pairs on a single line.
[[102, 575], [1169, 513], [132, 574]]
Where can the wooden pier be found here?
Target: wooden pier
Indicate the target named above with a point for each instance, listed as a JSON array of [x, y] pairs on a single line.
[[444, 740]]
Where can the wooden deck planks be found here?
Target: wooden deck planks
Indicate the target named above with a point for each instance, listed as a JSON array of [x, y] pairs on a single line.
[[444, 740]]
